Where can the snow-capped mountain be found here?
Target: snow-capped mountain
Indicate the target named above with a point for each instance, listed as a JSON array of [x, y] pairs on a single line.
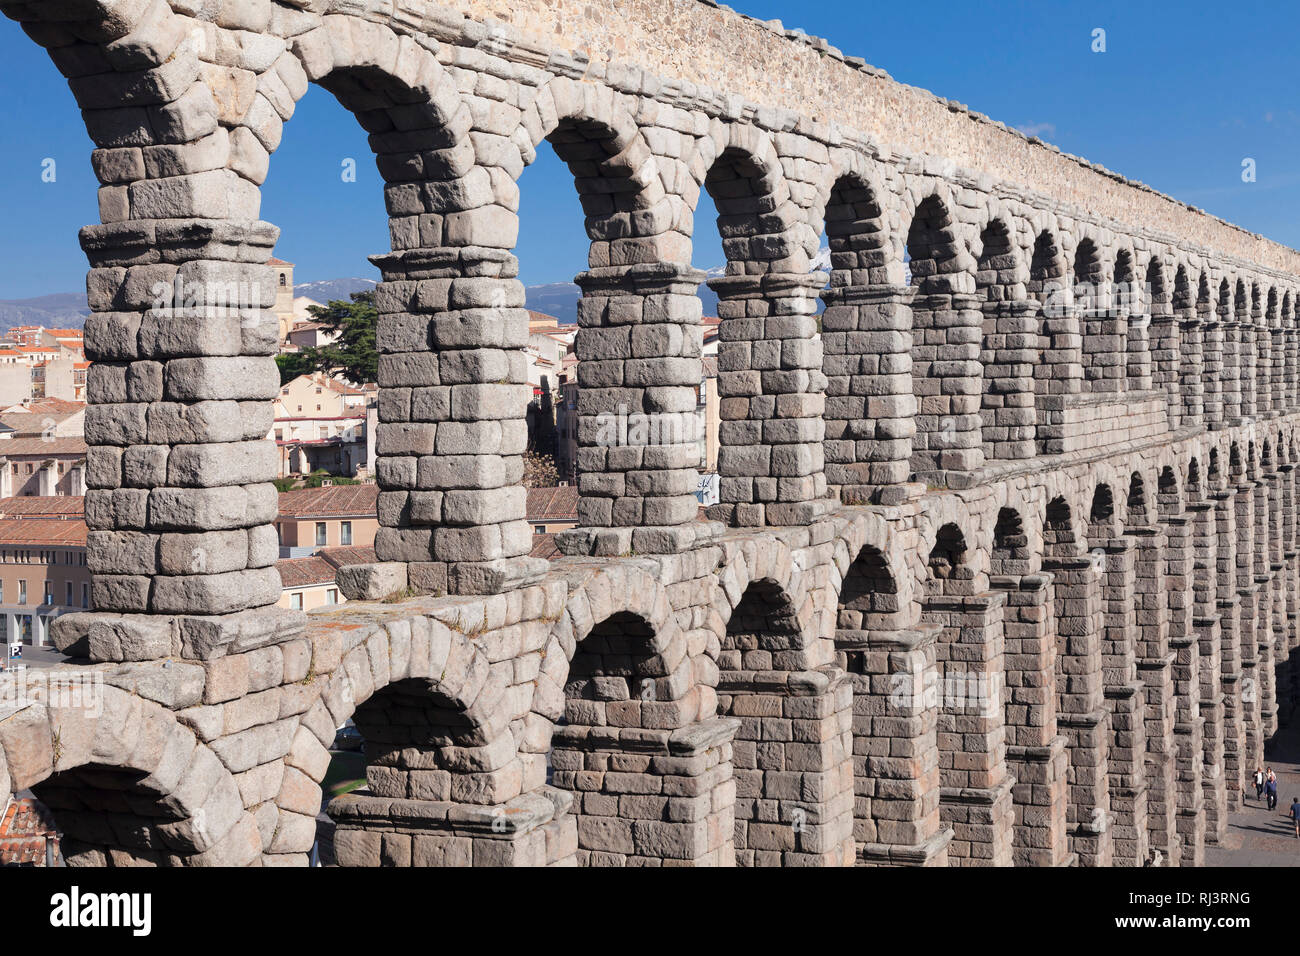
[[325, 290]]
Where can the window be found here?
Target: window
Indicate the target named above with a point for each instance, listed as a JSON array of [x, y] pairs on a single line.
[[49, 593], [68, 595], [295, 601], [320, 534], [85, 595], [345, 533], [539, 529], [284, 280], [332, 596], [22, 591]]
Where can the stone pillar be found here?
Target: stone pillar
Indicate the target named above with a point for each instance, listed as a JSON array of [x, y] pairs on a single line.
[[1249, 369], [948, 383], [1082, 715], [793, 764], [1155, 661], [1213, 372], [1188, 384], [1009, 355], [638, 346], [895, 748], [1139, 366], [1228, 602], [1248, 593], [975, 790], [531, 830], [1268, 565], [772, 400], [1205, 621], [1036, 754], [1167, 361], [1278, 375], [870, 409], [179, 501], [1230, 374], [650, 797], [1125, 703], [1105, 349], [452, 420], [1185, 649], [1291, 335], [1059, 373], [1290, 588]]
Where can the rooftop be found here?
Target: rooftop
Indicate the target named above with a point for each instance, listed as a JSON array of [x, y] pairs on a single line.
[[335, 501], [559, 503]]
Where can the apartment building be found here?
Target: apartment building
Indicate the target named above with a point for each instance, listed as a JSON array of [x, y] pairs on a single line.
[[333, 516]]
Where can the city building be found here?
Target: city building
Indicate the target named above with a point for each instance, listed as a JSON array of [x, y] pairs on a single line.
[[43, 574], [323, 423], [309, 582], [552, 509], [44, 465], [283, 307], [332, 516]]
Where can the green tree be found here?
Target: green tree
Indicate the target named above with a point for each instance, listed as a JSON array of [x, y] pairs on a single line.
[[292, 365], [353, 352]]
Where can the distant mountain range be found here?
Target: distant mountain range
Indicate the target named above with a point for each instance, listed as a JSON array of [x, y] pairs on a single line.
[[560, 299], [62, 310]]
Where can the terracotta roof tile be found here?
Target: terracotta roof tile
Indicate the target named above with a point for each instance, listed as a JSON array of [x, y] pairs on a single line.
[[553, 503], [544, 547], [37, 532], [43, 506], [24, 829], [48, 447], [305, 572], [342, 557], [361, 501]]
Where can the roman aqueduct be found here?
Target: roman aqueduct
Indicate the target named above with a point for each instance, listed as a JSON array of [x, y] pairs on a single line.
[[1005, 568]]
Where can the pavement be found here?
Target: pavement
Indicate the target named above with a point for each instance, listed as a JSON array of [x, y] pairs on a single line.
[[38, 657], [1256, 836]]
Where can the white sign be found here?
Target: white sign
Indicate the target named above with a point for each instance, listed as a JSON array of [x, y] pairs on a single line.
[[706, 491]]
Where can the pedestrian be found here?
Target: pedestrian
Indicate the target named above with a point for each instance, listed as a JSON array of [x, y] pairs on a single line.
[[1295, 815], [1259, 782], [1270, 788]]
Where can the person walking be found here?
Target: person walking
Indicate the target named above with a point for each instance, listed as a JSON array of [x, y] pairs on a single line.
[[1270, 789], [1295, 815], [1259, 782]]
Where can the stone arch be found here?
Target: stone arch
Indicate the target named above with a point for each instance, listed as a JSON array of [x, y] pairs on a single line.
[[763, 230], [1060, 535], [639, 286], [1059, 367], [939, 262], [975, 793], [772, 567], [127, 783], [1104, 330], [868, 402], [1102, 512], [1010, 347], [1136, 506], [948, 561], [947, 379], [852, 211], [625, 693], [1012, 550], [767, 303]]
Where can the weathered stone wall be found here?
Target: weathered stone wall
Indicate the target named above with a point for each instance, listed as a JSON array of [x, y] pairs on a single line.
[[1004, 566]]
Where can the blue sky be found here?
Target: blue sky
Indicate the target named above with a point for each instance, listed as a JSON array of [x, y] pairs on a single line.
[[1182, 94]]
